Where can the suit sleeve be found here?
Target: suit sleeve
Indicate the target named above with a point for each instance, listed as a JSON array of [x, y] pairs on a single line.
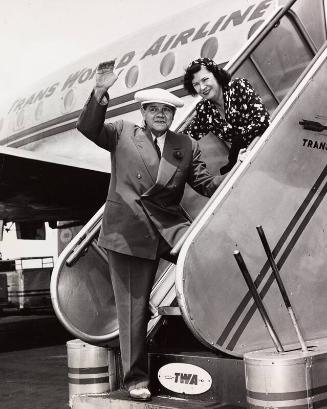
[[199, 177], [91, 124]]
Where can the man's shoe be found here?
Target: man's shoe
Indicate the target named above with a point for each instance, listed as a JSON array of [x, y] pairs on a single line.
[[140, 394]]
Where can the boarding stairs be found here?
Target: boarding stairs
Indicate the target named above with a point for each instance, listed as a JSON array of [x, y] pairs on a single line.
[[202, 312]]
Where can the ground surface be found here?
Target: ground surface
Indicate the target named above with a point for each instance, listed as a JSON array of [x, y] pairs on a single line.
[[33, 362]]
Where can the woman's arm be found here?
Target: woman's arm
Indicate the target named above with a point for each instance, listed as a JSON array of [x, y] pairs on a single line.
[[198, 127], [252, 116]]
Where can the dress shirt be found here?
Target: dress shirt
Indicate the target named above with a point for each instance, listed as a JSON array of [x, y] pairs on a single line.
[[160, 140]]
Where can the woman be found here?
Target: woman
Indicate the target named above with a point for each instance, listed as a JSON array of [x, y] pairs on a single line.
[[230, 108]]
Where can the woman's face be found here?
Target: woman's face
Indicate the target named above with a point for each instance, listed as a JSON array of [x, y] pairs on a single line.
[[206, 85]]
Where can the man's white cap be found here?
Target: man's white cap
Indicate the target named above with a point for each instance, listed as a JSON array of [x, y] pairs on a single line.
[[147, 96]]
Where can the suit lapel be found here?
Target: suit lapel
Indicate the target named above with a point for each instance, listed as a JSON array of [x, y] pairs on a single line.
[[144, 144], [170, 161]]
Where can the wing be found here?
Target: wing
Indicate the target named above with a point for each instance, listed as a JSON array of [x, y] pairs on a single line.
[[35, 188]]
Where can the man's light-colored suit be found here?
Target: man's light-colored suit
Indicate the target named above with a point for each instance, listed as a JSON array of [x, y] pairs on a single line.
[[142, 217]]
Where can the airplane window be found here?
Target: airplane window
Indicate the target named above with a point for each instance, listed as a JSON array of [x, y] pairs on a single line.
[[69, 100], [167, 64], [39, 111], [209, 48], [132, 76]]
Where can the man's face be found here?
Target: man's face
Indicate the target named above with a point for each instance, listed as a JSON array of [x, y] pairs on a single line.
[[158, 117]]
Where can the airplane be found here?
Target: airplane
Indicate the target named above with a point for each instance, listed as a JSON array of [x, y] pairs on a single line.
[[204, 315], [285, 60], [274, 75], [48, 169]]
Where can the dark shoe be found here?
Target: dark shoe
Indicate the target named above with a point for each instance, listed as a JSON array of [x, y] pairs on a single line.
[[140, 394]]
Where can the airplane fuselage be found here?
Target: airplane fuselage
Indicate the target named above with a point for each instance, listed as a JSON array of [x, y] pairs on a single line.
[[43, 119]]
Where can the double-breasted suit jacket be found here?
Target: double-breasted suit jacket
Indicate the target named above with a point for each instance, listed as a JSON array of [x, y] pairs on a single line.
[[144, 194]]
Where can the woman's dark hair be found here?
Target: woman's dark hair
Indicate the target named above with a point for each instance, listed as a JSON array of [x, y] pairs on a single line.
[[222, 76]]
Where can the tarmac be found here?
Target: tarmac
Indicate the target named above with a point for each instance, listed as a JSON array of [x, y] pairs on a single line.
[[33, 361]]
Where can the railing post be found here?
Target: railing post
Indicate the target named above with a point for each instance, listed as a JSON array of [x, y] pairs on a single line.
[[258, 301], [281, 286]]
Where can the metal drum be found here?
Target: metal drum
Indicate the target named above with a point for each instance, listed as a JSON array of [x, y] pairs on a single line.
[[289, 380], [281, 186], [91, 369]]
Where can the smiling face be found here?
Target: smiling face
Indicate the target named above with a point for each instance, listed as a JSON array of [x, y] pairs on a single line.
[[206, 85], [158, 117]]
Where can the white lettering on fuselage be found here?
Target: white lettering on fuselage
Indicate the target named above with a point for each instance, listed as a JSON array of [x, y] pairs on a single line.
[[162, 44]]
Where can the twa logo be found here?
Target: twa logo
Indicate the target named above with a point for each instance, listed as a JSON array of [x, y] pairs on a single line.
[[185, 378], [188, 378]]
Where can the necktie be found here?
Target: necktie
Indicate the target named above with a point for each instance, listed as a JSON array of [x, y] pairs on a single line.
[[157, 147]]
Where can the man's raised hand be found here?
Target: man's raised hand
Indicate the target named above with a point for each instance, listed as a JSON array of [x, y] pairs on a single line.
[[105, 76]]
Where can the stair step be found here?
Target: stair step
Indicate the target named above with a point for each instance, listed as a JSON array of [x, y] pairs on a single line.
[[198, 376], [120, 400]]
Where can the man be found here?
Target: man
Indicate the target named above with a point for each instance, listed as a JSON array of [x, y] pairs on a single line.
[[142, 218]]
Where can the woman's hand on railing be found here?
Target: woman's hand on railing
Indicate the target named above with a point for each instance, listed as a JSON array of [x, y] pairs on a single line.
[[243, 154]]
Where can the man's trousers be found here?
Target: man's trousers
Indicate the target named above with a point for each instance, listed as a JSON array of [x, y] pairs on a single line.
[[132, 280]]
